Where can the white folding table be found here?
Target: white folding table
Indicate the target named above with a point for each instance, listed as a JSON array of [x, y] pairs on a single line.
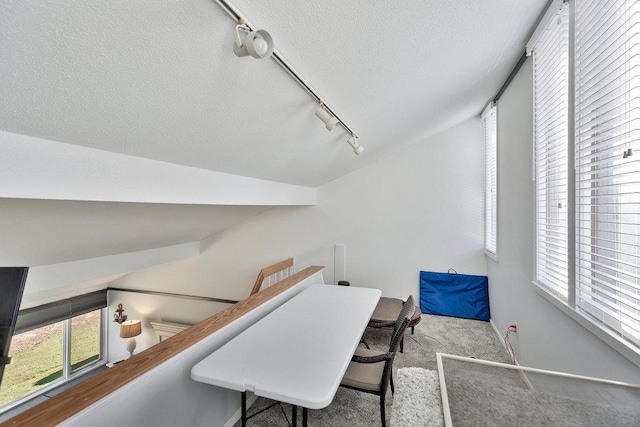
[[296, 354]]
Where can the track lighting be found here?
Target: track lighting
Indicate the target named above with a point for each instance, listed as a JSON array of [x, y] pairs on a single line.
[[353, 142], [258, 44], [329, 121]]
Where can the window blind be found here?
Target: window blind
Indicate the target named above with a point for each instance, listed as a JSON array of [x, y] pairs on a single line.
[[551, 134], [47, 314], [607, 168], [491, 175]]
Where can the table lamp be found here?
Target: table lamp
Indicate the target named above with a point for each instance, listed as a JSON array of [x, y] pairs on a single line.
[[130, 329]]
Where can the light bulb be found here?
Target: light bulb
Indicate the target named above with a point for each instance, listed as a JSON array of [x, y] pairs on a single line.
[[260, 46]]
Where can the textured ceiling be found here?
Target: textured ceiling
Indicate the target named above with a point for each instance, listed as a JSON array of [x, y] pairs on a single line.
[[158, 78]]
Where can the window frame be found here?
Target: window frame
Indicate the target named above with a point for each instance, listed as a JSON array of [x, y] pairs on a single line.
[[572, 306], [604, 131], [68, 374], [551, 133], [490, 120]]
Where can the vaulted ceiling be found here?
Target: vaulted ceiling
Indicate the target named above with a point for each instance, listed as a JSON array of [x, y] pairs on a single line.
[[157, 79]]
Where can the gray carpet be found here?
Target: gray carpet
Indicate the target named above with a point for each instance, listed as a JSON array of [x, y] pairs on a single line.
[[481, 395], [417, 401], [434, 334], [487, 396]]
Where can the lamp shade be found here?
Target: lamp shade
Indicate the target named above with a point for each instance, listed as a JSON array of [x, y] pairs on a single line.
[[130, 328]]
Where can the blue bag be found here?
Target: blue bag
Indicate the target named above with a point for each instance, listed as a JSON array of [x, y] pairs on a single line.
[[456, 295]]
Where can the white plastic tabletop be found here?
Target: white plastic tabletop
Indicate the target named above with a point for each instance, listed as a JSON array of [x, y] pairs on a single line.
[[299, 352]]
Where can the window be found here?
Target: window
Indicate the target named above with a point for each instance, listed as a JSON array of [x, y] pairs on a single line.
[[491, 178], [551, 133], [36, 362], [85, 339], [53, 343], [607, 177], [600, 279]]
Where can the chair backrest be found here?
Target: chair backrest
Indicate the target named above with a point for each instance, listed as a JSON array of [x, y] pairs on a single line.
[[408, 309], [406, 313]]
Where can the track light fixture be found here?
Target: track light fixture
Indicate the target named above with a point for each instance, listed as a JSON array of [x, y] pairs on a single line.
[[258, 44], [329, 121], [353, 142]]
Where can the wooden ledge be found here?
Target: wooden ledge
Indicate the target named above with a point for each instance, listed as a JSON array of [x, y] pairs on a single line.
[[68, 403]]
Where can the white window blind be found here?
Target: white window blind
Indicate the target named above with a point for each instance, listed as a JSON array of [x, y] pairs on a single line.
[[551, 133], [608, 163], [491, 177]]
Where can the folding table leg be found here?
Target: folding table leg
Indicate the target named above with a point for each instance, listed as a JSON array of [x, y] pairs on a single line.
[[294, 415], [244, 409], [304, 417]]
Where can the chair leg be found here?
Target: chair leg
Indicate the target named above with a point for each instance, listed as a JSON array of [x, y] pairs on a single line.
[[402, 344], [391, 381], [365, 343], [382, 414]]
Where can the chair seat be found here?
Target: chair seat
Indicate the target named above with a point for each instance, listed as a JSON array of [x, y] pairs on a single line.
[[375, 377], [365, 376], [388, 309]]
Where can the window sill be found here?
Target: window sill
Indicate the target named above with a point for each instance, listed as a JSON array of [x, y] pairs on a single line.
[[612, 340], [492, 255], [15, 408]]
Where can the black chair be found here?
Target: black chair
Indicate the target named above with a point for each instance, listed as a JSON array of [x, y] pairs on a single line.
[[370, 371]]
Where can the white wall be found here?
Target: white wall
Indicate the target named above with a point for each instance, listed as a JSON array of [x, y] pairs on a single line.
[[54, 282], [35, 168], [420, 208], [546, 337], [148, 308]]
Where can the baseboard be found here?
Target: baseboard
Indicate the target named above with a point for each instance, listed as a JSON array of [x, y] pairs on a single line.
[[497, 331], [234, 419]]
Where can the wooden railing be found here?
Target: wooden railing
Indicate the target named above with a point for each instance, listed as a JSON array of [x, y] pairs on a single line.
[[70, 402], [272, 274]]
